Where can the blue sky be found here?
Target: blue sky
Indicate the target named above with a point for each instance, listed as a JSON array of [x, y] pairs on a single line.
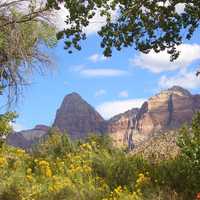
[[111, 85]]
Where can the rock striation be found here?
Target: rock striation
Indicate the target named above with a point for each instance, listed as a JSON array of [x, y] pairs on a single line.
[[165, 111], [121, 126], [77, 118]]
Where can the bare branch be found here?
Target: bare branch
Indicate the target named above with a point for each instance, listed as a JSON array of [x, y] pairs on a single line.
[[12, 3]]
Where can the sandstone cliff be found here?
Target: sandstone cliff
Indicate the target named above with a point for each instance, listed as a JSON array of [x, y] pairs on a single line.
[[121, 126], [76, 117], [167, 110]]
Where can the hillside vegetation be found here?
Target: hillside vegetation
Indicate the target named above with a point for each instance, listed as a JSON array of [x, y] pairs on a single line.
[[59, 169]]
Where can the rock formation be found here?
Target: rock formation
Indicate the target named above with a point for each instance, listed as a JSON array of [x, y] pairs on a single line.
[[25, 139], [165, 111], [77, 117], [121, 127]]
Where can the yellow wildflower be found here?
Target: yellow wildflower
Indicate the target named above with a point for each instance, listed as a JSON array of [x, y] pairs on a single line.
[[45, 168], [3, 161], [29, 178], [29, 171]]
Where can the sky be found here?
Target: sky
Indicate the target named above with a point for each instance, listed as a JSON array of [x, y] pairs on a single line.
[[111, 85]]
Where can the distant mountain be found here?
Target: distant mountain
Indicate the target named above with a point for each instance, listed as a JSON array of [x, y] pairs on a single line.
[[165, 111], [168, 109], [25, 139], [76, 117]]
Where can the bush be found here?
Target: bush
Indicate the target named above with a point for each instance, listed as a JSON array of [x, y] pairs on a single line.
[[92, 169]]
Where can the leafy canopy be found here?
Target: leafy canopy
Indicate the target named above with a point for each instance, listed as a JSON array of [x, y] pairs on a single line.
[[147, 25], [22, 32]]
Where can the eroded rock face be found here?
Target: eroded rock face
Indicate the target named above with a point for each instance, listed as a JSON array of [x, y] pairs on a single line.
[[169, 109], [120, 127], [77, 117], [25, 139]]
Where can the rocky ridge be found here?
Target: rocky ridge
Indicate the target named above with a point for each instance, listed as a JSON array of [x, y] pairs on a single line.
[[25, 139], [77, 118], [165, 111]]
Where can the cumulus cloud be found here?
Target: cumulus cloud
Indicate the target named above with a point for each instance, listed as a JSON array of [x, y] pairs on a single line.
[[18, 127], [160, 62], [111, 108], [123, 94], [96, 58], [185, 79], [180, 7], [100, 92], [95, 23]]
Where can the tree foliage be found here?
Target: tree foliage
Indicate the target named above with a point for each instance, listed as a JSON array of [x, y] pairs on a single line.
[[23, 29], [147, 25], [5, 125]]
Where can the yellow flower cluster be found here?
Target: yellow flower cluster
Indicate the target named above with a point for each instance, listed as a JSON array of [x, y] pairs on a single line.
[[29, 178], [118, 190], [20, 152], [45, 168], [59, 183], [120, 193], [74, 168], [86, 146], [29, 175], [140, 182], [3, 161]]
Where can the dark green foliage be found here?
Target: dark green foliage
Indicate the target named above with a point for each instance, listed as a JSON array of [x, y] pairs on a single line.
[[189, 143], [11, 193], [118, 168], [146, 25]]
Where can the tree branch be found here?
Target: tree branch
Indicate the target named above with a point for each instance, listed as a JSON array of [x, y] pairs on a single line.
[[25, 18], [11, 3]]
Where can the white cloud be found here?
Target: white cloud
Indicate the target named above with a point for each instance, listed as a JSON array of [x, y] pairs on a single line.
[[98, 72], [60, 17], [180, 7], [100, 92], [95, 23], [97, 57], [103, 72], [112, 108], [123, 94], [160, 62], [17, 127], [98, 21], [77, 68], [185, 79]]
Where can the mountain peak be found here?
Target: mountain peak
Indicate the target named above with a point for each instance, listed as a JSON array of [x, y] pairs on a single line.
[[73, 95], [77, 117], [182, 90], [177, 90]]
